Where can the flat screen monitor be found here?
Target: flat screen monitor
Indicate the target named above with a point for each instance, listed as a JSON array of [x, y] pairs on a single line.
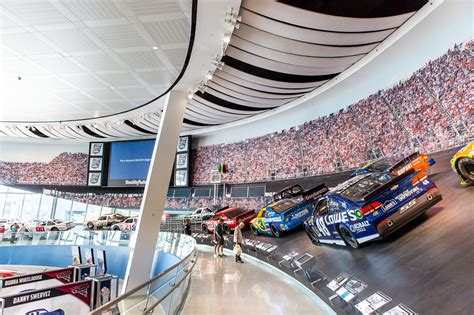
[[129, 162]]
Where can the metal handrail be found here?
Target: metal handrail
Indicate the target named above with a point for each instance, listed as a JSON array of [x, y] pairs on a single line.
[[175, 286], [108, 305]]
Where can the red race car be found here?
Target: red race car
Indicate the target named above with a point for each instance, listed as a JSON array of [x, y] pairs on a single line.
[[231, 218]]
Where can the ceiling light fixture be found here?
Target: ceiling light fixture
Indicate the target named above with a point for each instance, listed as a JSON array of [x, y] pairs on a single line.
[[218, 63], [112, 88], [202, 87], [226, 38], [209, 75], [190, 95], [154, 47]]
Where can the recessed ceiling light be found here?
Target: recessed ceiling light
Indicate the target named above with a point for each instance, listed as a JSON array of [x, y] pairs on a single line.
[[190, 94], [112, 88], [155, 47], [209, 75], [226, 38]]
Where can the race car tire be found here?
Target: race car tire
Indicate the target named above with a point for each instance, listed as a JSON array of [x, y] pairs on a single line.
[[205, 229], [54, 229], [465, 167], [227, 229], [314, 239], [275, 231], [348, 237], [116, 228], [90, 225], [254, 230]]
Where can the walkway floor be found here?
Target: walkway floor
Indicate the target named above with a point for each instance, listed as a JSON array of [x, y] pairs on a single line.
[[221, 286]]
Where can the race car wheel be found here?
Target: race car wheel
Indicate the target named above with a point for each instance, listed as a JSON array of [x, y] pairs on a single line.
[[116, 228], [275, 231], [314, 239], [348, 237], [205, 229], [90, 225], [466, 169], [226, 229], [254, 230], [54, 229]]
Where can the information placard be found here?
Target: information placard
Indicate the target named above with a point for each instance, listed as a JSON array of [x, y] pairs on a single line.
[[338, 281], [400, 309], [373, 303]]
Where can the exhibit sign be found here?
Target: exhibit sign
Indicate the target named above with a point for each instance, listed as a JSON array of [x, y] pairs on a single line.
[[400, 309], [351, 289], [373, 303], [338, 281], [36, 281], [73, 298]]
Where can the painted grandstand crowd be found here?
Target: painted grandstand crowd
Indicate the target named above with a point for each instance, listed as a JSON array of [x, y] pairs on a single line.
[[65, 169], [133, 200], [431, 110]]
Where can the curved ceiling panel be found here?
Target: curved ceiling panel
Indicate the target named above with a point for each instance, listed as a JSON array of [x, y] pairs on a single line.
[[310, 35], [292, 46], [316, 14], [286, 49]]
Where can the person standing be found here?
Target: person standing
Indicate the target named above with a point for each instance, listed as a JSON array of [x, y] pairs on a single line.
[[187, 227], [238, 242], [220, 237], [14, 228]]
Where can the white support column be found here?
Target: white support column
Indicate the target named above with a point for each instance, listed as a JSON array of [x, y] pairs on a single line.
[[145, 238]]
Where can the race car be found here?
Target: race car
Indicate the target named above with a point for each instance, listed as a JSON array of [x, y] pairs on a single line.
[[416, 161], [203, 214], [370, 206], [291, 207], [128, 225], [48, 226], [463, 164], [231, 217], [106, 221]]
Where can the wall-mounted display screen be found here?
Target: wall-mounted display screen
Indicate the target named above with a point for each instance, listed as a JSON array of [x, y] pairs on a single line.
[[129, 162]]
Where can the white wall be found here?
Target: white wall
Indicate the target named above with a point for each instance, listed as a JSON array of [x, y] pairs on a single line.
[[451, 22]]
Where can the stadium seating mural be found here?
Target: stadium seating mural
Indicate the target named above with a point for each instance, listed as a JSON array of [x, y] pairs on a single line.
[[430, 110]]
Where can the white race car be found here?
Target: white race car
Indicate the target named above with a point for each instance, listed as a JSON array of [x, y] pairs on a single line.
[[128, 225], [48, 226], [203, 214], [106, 221]]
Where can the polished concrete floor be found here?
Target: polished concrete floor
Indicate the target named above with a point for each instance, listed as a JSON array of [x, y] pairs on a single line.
[[220, 286]]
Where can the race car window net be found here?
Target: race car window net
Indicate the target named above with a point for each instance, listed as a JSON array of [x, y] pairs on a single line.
[[284, 205], [363, 187]]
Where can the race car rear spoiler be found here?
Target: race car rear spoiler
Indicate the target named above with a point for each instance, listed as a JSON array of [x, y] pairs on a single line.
[[388, 184], [403, 161], [315, 192]]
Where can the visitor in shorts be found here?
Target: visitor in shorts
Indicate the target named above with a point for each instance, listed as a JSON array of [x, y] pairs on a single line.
[[220, 238], [238, 241]]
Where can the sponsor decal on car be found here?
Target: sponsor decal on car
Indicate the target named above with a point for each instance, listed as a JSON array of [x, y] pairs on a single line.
[[323, 222], [299, 214], [360, 226], [407, 206]]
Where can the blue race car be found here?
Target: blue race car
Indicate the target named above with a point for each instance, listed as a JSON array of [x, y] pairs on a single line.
[[289, 209], [370, 206]]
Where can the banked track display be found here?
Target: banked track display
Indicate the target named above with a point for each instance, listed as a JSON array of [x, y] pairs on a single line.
[[426, 265]]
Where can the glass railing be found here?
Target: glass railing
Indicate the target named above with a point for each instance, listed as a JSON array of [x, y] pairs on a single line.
[[164, 293]]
